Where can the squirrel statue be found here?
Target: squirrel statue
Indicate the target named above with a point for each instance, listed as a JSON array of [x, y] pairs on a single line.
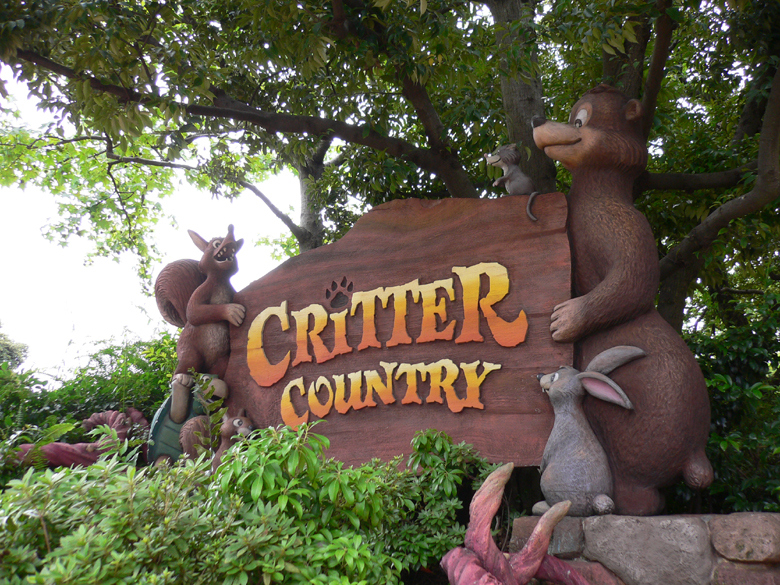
[[196, 431], [198, 296], [515, 181]]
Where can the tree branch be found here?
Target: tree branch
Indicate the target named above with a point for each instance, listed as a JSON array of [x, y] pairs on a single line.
[[765, 190], [691, 181], [441, 163], [336, 161], [418, 97], [318, 157], [624, 70], [296, 230], [124, 94], [148, 162], [339, 25], [655, 74]]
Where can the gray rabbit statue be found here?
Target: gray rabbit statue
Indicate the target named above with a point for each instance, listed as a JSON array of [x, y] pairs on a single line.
[[574, 464]]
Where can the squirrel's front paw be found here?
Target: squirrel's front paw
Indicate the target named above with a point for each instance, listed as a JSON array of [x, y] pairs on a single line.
[[567, 321], [234, 314]]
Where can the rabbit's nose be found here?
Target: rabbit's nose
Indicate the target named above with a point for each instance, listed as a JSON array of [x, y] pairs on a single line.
[[539, 377]]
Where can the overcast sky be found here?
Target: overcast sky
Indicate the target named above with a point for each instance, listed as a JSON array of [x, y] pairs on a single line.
[[59, 307]]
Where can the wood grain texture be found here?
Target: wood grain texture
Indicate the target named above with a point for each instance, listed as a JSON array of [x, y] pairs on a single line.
[[394, 245]]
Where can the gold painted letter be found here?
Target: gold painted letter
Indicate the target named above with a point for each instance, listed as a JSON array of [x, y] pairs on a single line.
[[367, 299], [506, 333], [315, 406], [264, 372], [383, 389], [474, 382], [288, 412], [433, 308]]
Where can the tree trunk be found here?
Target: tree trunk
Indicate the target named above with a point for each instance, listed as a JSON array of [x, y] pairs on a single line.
[[311, 219], [674, 293], [753, 112], [625, 70], [522, 101]]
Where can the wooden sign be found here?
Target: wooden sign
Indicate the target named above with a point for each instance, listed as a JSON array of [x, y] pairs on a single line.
[[427, 314]]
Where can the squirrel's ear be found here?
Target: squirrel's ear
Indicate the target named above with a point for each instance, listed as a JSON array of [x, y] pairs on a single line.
[[199, 242], [604, 388]]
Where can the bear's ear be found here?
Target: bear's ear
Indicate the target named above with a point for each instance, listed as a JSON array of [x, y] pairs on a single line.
[[633, 110]]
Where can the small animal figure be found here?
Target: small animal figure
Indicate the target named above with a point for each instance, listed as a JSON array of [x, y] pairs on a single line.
[[615, 277], [198, 296], [196, 431], [574, 464], [507, 158]]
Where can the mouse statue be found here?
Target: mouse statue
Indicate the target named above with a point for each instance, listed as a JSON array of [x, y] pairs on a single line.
[[615, 277]]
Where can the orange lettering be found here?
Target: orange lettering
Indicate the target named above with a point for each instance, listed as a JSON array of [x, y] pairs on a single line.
[[506, 333], [383, 389], [410, 371], [474, 382], [315, 406], [264, 372], [289, 416], [433, 308], [355, 389], [400, 335], [367, 299]]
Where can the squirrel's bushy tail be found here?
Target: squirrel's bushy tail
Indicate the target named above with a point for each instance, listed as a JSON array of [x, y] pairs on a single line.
[[174, 287]]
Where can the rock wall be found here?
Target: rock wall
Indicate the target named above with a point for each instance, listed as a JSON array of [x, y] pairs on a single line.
[[734, 549]]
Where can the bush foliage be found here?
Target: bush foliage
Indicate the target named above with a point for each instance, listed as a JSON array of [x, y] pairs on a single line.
[[115, 377], [741, 362], [276, 511]]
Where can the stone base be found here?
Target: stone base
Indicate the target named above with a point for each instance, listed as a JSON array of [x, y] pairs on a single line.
[[742, 548]]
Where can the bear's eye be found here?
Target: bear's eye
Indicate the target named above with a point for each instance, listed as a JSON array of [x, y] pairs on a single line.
[[581, 119], [554, 377]]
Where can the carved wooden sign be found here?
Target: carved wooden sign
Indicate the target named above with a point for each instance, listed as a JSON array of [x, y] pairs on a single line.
[[427, 314]]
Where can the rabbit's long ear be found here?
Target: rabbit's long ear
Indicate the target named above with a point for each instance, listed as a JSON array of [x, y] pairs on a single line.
[[614, 357], [601, 387]]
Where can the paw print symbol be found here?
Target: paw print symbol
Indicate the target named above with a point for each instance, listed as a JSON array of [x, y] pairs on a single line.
[[339, 293]]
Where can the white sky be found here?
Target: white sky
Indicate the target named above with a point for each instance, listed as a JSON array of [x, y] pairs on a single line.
[[57, 306]]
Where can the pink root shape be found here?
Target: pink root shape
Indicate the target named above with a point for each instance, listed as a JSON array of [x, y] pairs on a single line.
[[83, 454], [481, 562]]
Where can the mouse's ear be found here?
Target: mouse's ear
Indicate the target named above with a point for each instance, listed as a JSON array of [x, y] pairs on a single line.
[[603, 388]]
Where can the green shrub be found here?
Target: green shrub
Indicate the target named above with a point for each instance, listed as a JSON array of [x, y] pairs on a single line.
[[740, 363], [115, 377], [276, 511]]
